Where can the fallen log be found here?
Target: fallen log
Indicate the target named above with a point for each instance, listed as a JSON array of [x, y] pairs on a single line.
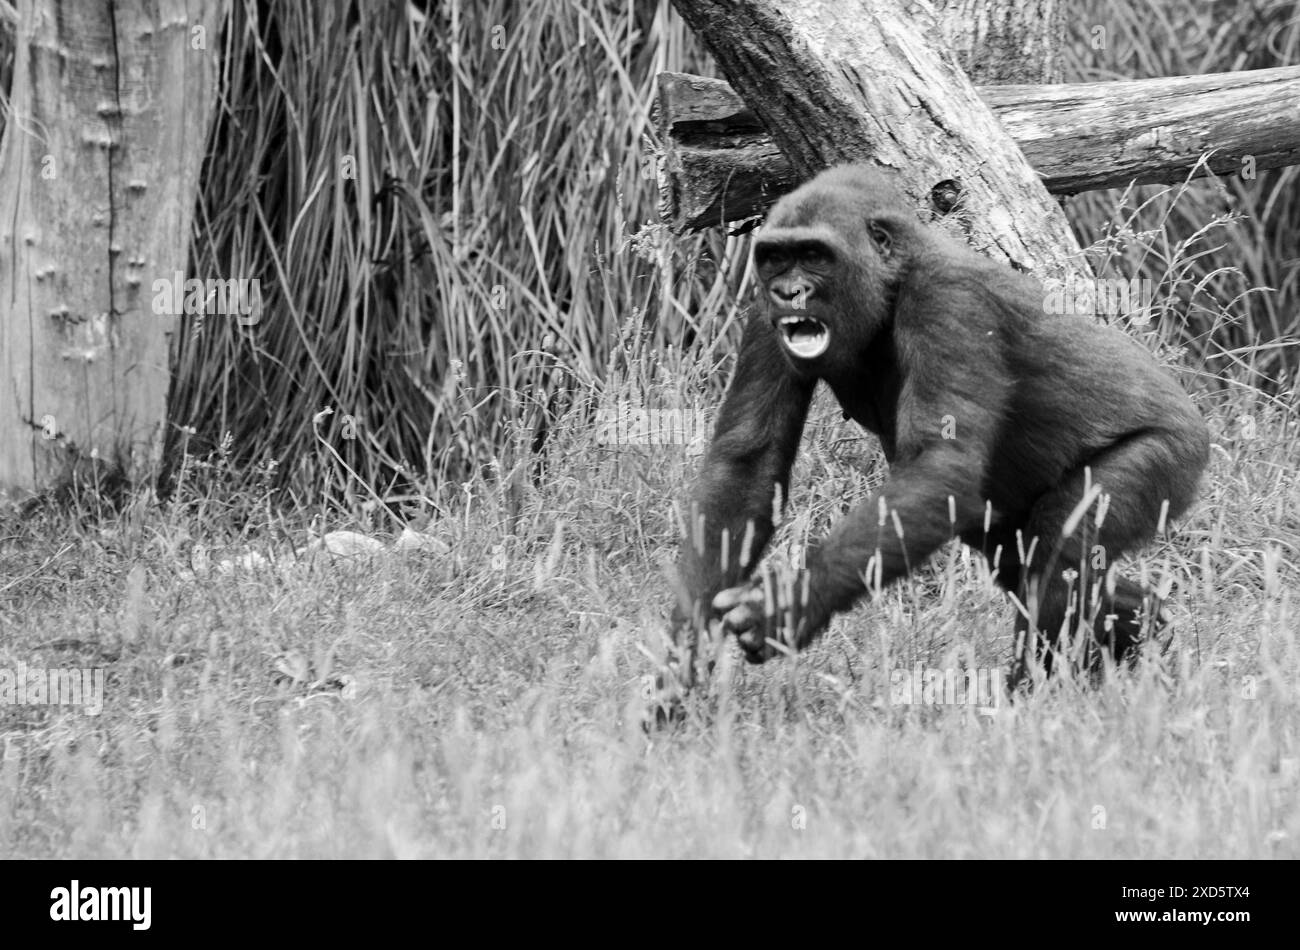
[[720, 164]]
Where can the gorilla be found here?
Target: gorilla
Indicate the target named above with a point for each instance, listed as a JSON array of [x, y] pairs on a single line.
[[1051, 444]]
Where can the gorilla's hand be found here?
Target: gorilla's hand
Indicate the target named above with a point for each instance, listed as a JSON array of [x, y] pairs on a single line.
[[765, 615]]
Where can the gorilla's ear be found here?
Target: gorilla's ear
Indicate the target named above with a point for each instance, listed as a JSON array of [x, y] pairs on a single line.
[[879, 231]]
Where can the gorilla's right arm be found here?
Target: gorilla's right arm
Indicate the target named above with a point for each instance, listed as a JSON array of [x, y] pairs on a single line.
[[754, 445]]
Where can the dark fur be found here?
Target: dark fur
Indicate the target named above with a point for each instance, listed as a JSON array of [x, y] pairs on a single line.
[[924, 328]]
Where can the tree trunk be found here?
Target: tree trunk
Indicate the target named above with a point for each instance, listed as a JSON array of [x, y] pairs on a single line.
[[721, 165], [109, 119], [858, 81], [998, 42]]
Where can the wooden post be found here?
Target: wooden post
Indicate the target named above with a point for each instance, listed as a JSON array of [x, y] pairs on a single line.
[[110, 112]]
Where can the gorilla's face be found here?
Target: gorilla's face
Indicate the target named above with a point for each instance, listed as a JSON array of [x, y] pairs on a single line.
[[828, 264]]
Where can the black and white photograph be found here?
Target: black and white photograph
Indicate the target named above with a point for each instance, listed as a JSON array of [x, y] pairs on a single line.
[[650, 430]]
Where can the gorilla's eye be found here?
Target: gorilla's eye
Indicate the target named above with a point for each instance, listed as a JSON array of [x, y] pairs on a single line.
[[815, 255], [880, 236], [772, 258]]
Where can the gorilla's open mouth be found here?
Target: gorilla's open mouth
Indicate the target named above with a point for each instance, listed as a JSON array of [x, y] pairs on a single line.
[[805, 337]]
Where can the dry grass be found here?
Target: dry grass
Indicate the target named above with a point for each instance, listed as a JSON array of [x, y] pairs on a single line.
[[448, 214], [439, 209], [486, 701]]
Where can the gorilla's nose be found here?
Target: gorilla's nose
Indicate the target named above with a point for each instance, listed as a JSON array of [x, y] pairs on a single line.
[[789, 293]]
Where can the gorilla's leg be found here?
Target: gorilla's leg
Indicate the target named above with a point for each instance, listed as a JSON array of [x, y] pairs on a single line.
[[1067, 584]]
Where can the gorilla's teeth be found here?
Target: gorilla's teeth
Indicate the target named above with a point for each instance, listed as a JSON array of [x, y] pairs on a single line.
[[806, 338]]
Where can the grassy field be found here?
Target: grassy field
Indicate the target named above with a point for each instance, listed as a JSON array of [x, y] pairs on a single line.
[[482, 696]]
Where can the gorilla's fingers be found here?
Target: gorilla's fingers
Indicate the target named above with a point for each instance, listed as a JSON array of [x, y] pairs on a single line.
[[732, 597], [741, 619]]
